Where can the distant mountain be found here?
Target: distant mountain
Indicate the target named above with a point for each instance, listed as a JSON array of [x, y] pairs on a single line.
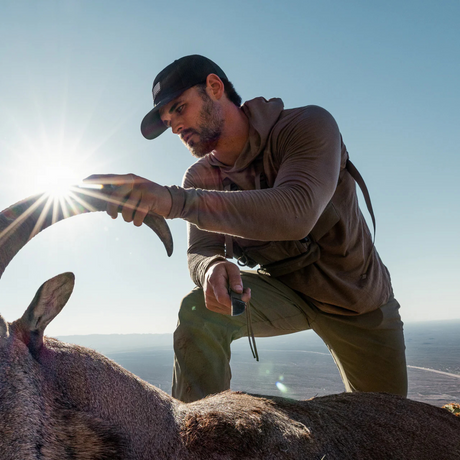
[[296, 365], [421, 338], [116, 343]]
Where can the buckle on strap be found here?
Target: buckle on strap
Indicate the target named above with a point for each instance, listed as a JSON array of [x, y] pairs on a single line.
[[242, 261]]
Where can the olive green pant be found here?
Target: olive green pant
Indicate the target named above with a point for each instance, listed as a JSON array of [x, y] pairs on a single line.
[[368, 349]]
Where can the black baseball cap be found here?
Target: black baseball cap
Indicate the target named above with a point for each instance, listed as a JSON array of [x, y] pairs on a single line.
[[171, 82]]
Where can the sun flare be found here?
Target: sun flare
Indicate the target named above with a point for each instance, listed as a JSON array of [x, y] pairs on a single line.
[[53, 173], [56, 180]]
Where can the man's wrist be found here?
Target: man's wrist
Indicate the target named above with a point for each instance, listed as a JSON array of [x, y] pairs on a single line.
[[165, 202], [177, 195], [215, 261]]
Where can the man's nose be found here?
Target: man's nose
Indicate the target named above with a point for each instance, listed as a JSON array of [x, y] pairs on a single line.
[[176, 128]]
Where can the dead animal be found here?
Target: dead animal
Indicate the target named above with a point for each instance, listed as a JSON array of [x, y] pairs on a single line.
[[60, 401]]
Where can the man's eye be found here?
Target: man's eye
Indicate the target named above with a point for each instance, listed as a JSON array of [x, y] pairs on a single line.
[[180, 108]]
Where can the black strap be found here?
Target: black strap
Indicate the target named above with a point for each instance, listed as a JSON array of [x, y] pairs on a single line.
[[362, 185], [251, 336]]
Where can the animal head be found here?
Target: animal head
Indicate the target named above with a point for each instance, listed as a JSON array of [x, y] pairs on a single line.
[[29, 399], [46, 386]]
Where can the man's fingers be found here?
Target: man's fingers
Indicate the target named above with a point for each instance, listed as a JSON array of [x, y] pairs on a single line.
[[219, 277], [113, 204], [221, 292], [214, 305], [116, 199], [246, 297], [122, 195], [234, 279], [130, 205], [138, 195], [142, 210], [95, 179], [221, 296], [214, 298], [111, 179], [217, 308]]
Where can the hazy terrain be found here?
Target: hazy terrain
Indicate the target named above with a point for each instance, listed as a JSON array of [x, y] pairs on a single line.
[[297, 365]]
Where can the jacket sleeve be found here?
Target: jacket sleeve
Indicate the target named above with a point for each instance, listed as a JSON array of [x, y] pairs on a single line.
[[307, 147], [204, 248]]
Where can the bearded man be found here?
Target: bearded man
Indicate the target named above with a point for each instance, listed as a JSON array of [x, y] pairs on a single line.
[[274, 189]]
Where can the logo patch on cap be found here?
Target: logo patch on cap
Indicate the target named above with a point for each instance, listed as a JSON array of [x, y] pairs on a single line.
[[156, 90]]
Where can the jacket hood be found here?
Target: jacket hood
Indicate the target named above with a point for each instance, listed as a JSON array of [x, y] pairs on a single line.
[[262, 115]]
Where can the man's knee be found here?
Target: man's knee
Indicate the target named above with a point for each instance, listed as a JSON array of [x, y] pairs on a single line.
[[192, 305], [188, 317], [197, 321]]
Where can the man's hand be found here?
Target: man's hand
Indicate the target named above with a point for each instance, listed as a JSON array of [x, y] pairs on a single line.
[[137, 196], [219, 277]]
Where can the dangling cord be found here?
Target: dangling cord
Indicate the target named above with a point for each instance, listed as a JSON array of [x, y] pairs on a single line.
[[251, 337]]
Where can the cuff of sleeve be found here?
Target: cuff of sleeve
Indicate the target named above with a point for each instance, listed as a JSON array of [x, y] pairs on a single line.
[[178, 201], [203, 268]]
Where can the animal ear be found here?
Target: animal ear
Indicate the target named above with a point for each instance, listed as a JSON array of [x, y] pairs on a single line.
[[45, 306]]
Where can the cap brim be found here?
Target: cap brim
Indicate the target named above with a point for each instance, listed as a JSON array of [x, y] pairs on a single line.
[[152, 125]]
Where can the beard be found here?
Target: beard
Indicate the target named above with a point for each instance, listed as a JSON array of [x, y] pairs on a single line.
[[209, 130]]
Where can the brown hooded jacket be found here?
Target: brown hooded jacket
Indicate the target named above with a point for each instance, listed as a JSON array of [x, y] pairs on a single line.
[[289, 182]]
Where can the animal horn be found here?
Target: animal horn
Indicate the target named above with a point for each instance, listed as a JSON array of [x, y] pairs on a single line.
[[22, 221]]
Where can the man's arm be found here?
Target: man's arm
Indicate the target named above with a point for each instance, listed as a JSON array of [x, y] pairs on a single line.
[[307, 151], [310, 148]]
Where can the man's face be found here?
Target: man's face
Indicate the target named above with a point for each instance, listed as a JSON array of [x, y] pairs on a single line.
[[196, 118]]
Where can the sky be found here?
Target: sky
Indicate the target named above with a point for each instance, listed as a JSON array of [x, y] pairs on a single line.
[[75, 83]]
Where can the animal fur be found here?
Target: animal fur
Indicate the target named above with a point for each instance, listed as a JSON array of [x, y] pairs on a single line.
[[62, 401]]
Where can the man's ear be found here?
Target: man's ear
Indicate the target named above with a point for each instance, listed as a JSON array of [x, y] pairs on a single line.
[[215, 86]]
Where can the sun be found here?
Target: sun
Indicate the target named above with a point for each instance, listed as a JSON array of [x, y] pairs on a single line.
[[51, 189], [49, 171], [49, 165], [57, 179]]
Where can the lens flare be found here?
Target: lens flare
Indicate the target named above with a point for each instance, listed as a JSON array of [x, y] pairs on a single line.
[[56, 180], [281, 387]]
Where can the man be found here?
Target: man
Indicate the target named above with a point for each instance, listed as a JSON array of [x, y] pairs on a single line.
[[274, 188]]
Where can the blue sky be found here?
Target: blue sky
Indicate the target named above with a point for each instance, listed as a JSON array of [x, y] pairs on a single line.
[[75, 83]]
